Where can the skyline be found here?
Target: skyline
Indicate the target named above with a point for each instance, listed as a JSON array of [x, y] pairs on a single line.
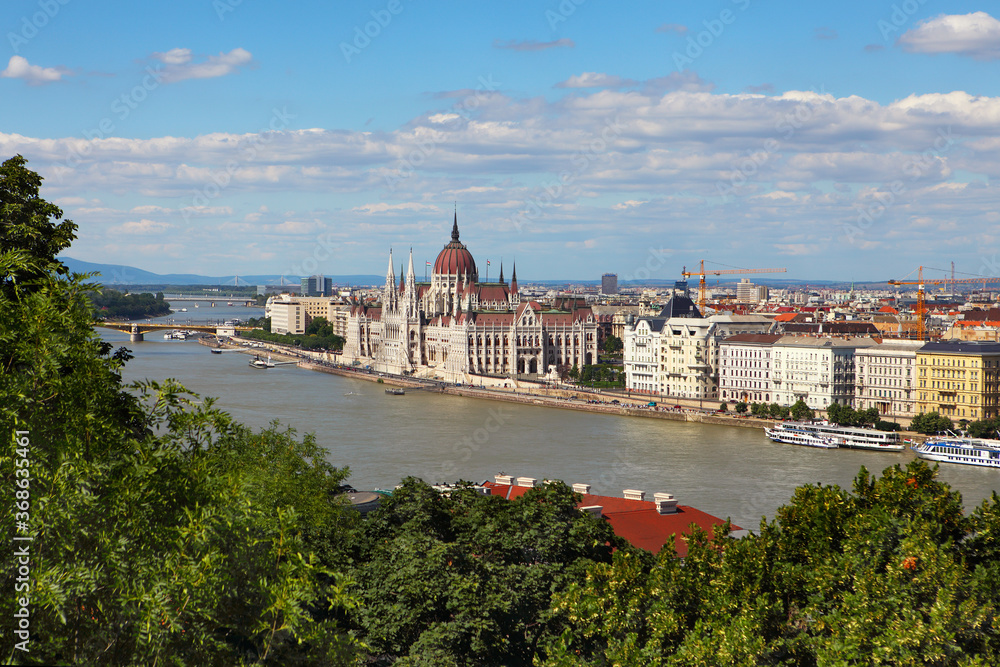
[[854, 143]]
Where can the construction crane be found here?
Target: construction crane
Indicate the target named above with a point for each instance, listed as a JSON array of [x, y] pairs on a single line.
[[920, 282], [718, 272]]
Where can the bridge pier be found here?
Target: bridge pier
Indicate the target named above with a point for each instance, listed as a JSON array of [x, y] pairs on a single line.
[[135, 335]]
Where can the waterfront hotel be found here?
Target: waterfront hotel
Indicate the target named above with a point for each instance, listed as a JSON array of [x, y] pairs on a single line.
[[455, 328]]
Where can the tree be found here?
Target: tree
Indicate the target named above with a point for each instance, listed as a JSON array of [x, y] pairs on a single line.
[[931, 423], [802, 412], [162, 531], [30, 234], [613, 344], [741, 407], [467, 579], [891, 568], [724, 407]]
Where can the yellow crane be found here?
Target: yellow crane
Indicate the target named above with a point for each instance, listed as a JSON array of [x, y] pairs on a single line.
[[718, 272], [920, 282]]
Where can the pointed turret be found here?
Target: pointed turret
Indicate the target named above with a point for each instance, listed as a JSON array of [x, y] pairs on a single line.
[[454, 228], [390, 277], [513, 280], [409, 271], [402, 280], [501, 272]]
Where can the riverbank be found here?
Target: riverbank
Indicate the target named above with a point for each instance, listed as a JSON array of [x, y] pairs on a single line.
[[562, 398]]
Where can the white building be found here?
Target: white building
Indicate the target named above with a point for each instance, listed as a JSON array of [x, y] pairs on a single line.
[[819, 371], [886, 377], [745, 368], [676, 353], [292, 314]]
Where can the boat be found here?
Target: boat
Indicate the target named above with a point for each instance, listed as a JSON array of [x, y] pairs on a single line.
[[184, 310], [793, 436], [981, 452], [229, 303], [176, 335], [259, 363], [395, 391], [214, 351], [850, 437]]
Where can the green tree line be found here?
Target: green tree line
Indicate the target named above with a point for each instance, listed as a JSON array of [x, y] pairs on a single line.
[[111, 304], [318, 335]]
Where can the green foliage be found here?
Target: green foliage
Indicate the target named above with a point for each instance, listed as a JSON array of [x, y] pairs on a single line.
[[887, 426], [985, 428], [931, 423], [802, 412], [163, 532], [741, 407], [613, 345], [111, 304], [891, 573], [845, 415], [467, 579], [724, 407], [306, 341], [602, 375], [30, 236]]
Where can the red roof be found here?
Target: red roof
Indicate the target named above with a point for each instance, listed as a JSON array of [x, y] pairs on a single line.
[[888, 309], [786, 317], [636, 520]]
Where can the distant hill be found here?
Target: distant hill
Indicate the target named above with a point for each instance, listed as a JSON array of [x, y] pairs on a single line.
[[119, 274]]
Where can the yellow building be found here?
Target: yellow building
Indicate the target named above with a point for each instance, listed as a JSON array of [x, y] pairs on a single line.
[[958, 379]]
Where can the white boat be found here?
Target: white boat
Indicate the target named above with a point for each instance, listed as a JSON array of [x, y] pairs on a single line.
[[851, 437], [966, 451], [177, 335], [259, 363], [792, 436]]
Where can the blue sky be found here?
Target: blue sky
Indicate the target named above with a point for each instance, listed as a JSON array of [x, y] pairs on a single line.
[[851, 141]]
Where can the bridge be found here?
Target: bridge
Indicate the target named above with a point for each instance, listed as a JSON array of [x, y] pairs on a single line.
[[235, 300], [137, 329]]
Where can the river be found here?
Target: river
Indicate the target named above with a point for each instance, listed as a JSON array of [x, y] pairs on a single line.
[[726, 471]]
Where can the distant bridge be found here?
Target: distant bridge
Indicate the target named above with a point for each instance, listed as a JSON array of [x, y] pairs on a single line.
[[136, 329], [234, 300]]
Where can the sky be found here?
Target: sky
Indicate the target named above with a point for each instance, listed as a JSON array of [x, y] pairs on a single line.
[[843, 141]]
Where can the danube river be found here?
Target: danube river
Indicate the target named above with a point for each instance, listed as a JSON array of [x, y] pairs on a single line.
[[726, 471]]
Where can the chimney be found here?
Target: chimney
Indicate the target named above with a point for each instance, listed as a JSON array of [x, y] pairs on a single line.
[[581, 488], [634, 494], [504, 479], [593, 510], [665, 503], [527, 481]]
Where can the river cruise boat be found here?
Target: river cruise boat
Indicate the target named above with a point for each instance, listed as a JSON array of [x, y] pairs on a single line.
[[966, 451], [851, 437], [396, 391], [792, 436]]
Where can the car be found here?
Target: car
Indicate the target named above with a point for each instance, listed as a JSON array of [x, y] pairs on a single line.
[[616, 402], [677, 407]]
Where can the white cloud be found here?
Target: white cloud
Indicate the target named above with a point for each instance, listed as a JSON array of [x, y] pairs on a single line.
[[179, 64], [595, 80], [976, 35], [18, 67], [371, 209], [142, 227]]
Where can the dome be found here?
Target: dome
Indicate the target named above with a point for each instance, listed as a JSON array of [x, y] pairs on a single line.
[[455, 258]]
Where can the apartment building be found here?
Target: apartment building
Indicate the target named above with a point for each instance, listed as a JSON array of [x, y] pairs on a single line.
[[745, 367], [819, 371], [885, 377], [959, 379]]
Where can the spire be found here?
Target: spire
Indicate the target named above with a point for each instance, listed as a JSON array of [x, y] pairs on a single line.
[[513, 279], [454, 227], [389, 276], [409, 272], [501, 272], [402, 281]]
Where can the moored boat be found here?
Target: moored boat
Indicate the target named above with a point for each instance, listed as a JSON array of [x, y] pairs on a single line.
[[851, 437], [261, 364], [395, 391], [965, 451], [792, 436]]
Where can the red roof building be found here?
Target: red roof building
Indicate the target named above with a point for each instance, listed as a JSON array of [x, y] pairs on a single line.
[[638, 521]]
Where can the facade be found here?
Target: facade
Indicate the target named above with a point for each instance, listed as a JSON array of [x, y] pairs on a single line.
[[819, 371], [885, 377], [292, 314], [455, 327], [676, 353], [745, 368], [959, 379], [609, 283]]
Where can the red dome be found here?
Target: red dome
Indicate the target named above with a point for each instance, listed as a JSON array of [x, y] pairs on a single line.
[[455, 258]]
